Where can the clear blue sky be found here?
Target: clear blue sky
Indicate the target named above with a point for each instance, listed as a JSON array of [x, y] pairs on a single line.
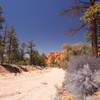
[[38, 20]]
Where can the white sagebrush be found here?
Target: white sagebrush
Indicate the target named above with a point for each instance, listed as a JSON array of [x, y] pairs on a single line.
[[83, 75]]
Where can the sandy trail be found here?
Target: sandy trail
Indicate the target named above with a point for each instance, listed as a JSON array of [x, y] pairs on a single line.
[[41, 86]]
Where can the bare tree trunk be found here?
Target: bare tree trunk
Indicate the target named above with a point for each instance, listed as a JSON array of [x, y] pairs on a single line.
[[30, 55], [9, 51]]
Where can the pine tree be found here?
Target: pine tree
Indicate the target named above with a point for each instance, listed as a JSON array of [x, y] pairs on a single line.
[[2, 44], [2, 48], [80, 8], [31, 46], [12, 45], [22, 50]]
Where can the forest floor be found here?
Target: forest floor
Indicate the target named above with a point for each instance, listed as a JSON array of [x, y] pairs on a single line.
[[36, 85]]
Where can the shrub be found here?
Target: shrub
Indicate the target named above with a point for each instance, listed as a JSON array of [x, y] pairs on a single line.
[[83, 76]]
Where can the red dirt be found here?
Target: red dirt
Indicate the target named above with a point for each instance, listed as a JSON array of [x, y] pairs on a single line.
[[14, 69], [3, 70]]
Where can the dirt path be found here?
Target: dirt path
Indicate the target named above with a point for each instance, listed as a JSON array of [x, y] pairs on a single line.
[[41, 86]]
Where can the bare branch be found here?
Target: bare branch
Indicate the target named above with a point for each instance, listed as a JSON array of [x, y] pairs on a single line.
[[73, 31], [75, 10]]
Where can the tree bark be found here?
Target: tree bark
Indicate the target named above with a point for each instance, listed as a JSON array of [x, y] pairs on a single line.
[[94, 32]]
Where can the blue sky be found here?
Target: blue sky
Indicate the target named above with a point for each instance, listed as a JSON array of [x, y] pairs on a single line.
[[38, 20]]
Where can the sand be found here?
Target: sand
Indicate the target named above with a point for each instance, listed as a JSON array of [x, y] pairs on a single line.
[[29, 86]]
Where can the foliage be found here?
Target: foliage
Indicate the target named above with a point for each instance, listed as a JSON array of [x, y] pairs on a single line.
[[73, 50], [14, 53], [43, 60], [86, 9], [2, 49], [88, 16], [81, 49], [83, 76], [67, 50], [12, 45], [38, 59], [30, 47], [22, 51], [89, 37], [62, 58]]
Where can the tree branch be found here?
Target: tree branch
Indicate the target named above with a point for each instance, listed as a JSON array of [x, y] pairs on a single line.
[[74, 9], [73, 31]]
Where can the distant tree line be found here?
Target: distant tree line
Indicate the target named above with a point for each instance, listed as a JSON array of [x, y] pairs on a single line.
[[14, 52]]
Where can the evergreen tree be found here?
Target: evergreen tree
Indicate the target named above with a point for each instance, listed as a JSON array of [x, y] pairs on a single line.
[[43, 60], [31, 46], [87, 8], [1, 38], [12, 45], [2, 48], [22, 50]]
